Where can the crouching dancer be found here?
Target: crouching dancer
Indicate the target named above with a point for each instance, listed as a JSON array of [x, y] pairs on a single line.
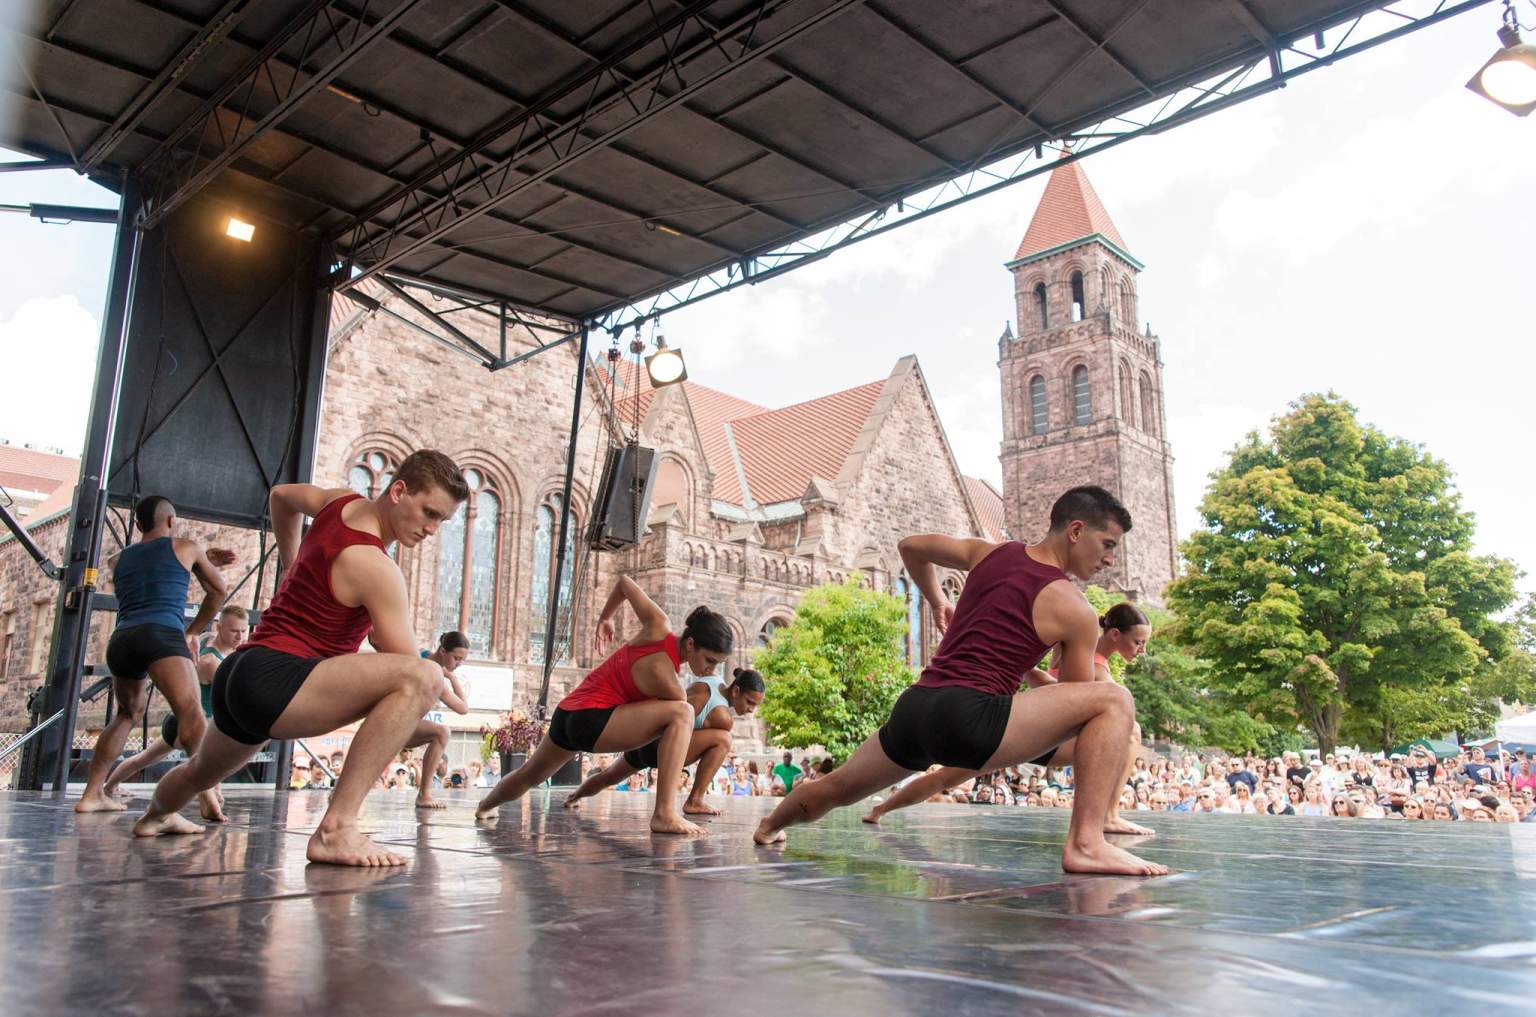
[[301, 675], [1018, 601]]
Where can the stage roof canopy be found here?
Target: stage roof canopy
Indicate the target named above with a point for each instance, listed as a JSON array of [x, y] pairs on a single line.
[[578, 159]]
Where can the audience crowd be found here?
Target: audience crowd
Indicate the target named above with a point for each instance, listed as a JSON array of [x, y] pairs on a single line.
[[1467, 787]]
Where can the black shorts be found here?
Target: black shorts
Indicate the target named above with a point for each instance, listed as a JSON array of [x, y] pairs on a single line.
[[252, 688], [130, 651], [578, 730], [952, 726], [169, 729], [643, 758]]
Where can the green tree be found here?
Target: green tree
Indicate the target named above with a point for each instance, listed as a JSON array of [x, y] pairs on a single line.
[[835, 671], [1333, 577]]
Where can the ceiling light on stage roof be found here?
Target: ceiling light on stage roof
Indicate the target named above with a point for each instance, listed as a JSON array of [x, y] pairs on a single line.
[[665, 366], [239, 229], [1508, 79]]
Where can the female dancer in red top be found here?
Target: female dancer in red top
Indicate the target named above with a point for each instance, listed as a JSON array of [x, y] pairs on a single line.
[[631, 699]]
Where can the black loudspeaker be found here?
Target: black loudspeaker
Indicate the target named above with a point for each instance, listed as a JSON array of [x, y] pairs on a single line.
[[623, 499]]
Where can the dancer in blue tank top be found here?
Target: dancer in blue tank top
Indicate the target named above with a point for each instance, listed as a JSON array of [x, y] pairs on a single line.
[[966, 710], [154, 641]]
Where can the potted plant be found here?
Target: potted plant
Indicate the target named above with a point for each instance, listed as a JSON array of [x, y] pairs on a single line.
[[513, 739]]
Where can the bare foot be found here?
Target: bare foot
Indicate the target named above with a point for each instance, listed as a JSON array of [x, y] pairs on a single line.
[[700, 809], [674, 824], [430, 803], [1104, 859], [211, 805], [764, 836], [1119, 824], [486, 815], [348, 846], [872, 817], [115, 791], [159, 826], [98, 803]]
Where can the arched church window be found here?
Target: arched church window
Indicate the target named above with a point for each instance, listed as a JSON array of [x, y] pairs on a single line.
[[1127, 405], [1128, 304], [912, 639], [468, 543], [1045, 315], [371, 473], [1082, 401], [1148, 408], [1078, 301], [770, 627], [1039, 419], [546, 529]]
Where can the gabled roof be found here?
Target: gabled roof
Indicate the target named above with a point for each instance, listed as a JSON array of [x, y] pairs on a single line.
[[1069, 210], [711, 409], [32, 471], [989, 507], [781, 450]]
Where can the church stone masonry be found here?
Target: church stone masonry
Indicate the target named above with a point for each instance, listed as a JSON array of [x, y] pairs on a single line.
[[1082, 386]]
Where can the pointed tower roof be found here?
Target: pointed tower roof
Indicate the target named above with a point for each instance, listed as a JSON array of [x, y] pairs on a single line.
[[1069, 212]]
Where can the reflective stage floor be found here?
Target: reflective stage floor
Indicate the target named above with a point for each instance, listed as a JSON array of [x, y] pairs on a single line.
[[946, 910]]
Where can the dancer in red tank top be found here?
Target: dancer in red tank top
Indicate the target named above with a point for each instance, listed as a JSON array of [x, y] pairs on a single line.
[[1018, 602], [300, 675], [629, 700]]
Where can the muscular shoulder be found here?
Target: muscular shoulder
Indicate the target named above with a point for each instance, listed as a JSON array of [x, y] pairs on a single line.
[[359, 568], [186, 550], [1061, 612]]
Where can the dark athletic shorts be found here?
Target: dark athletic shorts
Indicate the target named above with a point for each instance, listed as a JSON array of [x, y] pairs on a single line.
[[953, 726], [643, 758], [252, 688], [169, 729], [130, 651], [579, 730]]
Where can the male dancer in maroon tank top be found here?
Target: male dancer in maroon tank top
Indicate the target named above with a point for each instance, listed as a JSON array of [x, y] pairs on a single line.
[[1018, 601], [301, 675]]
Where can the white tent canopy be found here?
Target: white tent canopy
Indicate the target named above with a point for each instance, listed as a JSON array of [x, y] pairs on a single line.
[[1517, 729]]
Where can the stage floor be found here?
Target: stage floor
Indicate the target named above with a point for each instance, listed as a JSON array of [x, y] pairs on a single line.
[[946, 910]]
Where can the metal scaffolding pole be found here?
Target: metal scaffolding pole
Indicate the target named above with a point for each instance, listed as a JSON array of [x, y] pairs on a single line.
[[72, 620], [565, 524]]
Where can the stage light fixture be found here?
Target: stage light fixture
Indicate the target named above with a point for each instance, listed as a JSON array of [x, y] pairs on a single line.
[[239, 229], [665, 366], [1508, 79]]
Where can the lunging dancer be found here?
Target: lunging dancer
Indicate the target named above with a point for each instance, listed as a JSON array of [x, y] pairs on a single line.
[[228, 634], [629, 700], [452, 650], [715, 706], [153, 639], [1018, 602], [301, 675], [1126, 632]]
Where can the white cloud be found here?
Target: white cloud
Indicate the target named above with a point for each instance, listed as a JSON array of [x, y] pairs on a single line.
[[49, 348]]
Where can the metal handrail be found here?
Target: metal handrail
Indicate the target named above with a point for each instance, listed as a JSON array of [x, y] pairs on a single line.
[[85, 697]]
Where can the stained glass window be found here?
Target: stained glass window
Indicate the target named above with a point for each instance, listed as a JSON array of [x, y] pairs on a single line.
[[450, 571], [543, 544], [482, 572]]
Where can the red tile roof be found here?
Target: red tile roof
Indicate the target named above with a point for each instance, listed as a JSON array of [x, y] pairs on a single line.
[[989, 506], [27, 469], [1069, 210], [711, 410], [782, 449]]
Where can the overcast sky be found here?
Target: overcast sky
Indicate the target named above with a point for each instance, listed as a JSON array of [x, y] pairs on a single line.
[[1367, 230]]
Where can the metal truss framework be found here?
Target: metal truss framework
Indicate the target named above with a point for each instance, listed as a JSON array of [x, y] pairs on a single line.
[[227, 123], [1284, 59], [618, 101], [545, 333]]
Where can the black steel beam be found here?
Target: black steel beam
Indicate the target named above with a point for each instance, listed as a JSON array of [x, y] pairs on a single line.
[[1102, 45], [72, 618], [451, 213], [159, 165], [431, 315], [565, 524], [221, 24]]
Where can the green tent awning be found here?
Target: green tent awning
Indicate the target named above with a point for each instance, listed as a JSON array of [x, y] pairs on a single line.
[[1441, 749]]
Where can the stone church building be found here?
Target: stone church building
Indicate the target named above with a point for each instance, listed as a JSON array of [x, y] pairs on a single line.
[[752, 504]]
